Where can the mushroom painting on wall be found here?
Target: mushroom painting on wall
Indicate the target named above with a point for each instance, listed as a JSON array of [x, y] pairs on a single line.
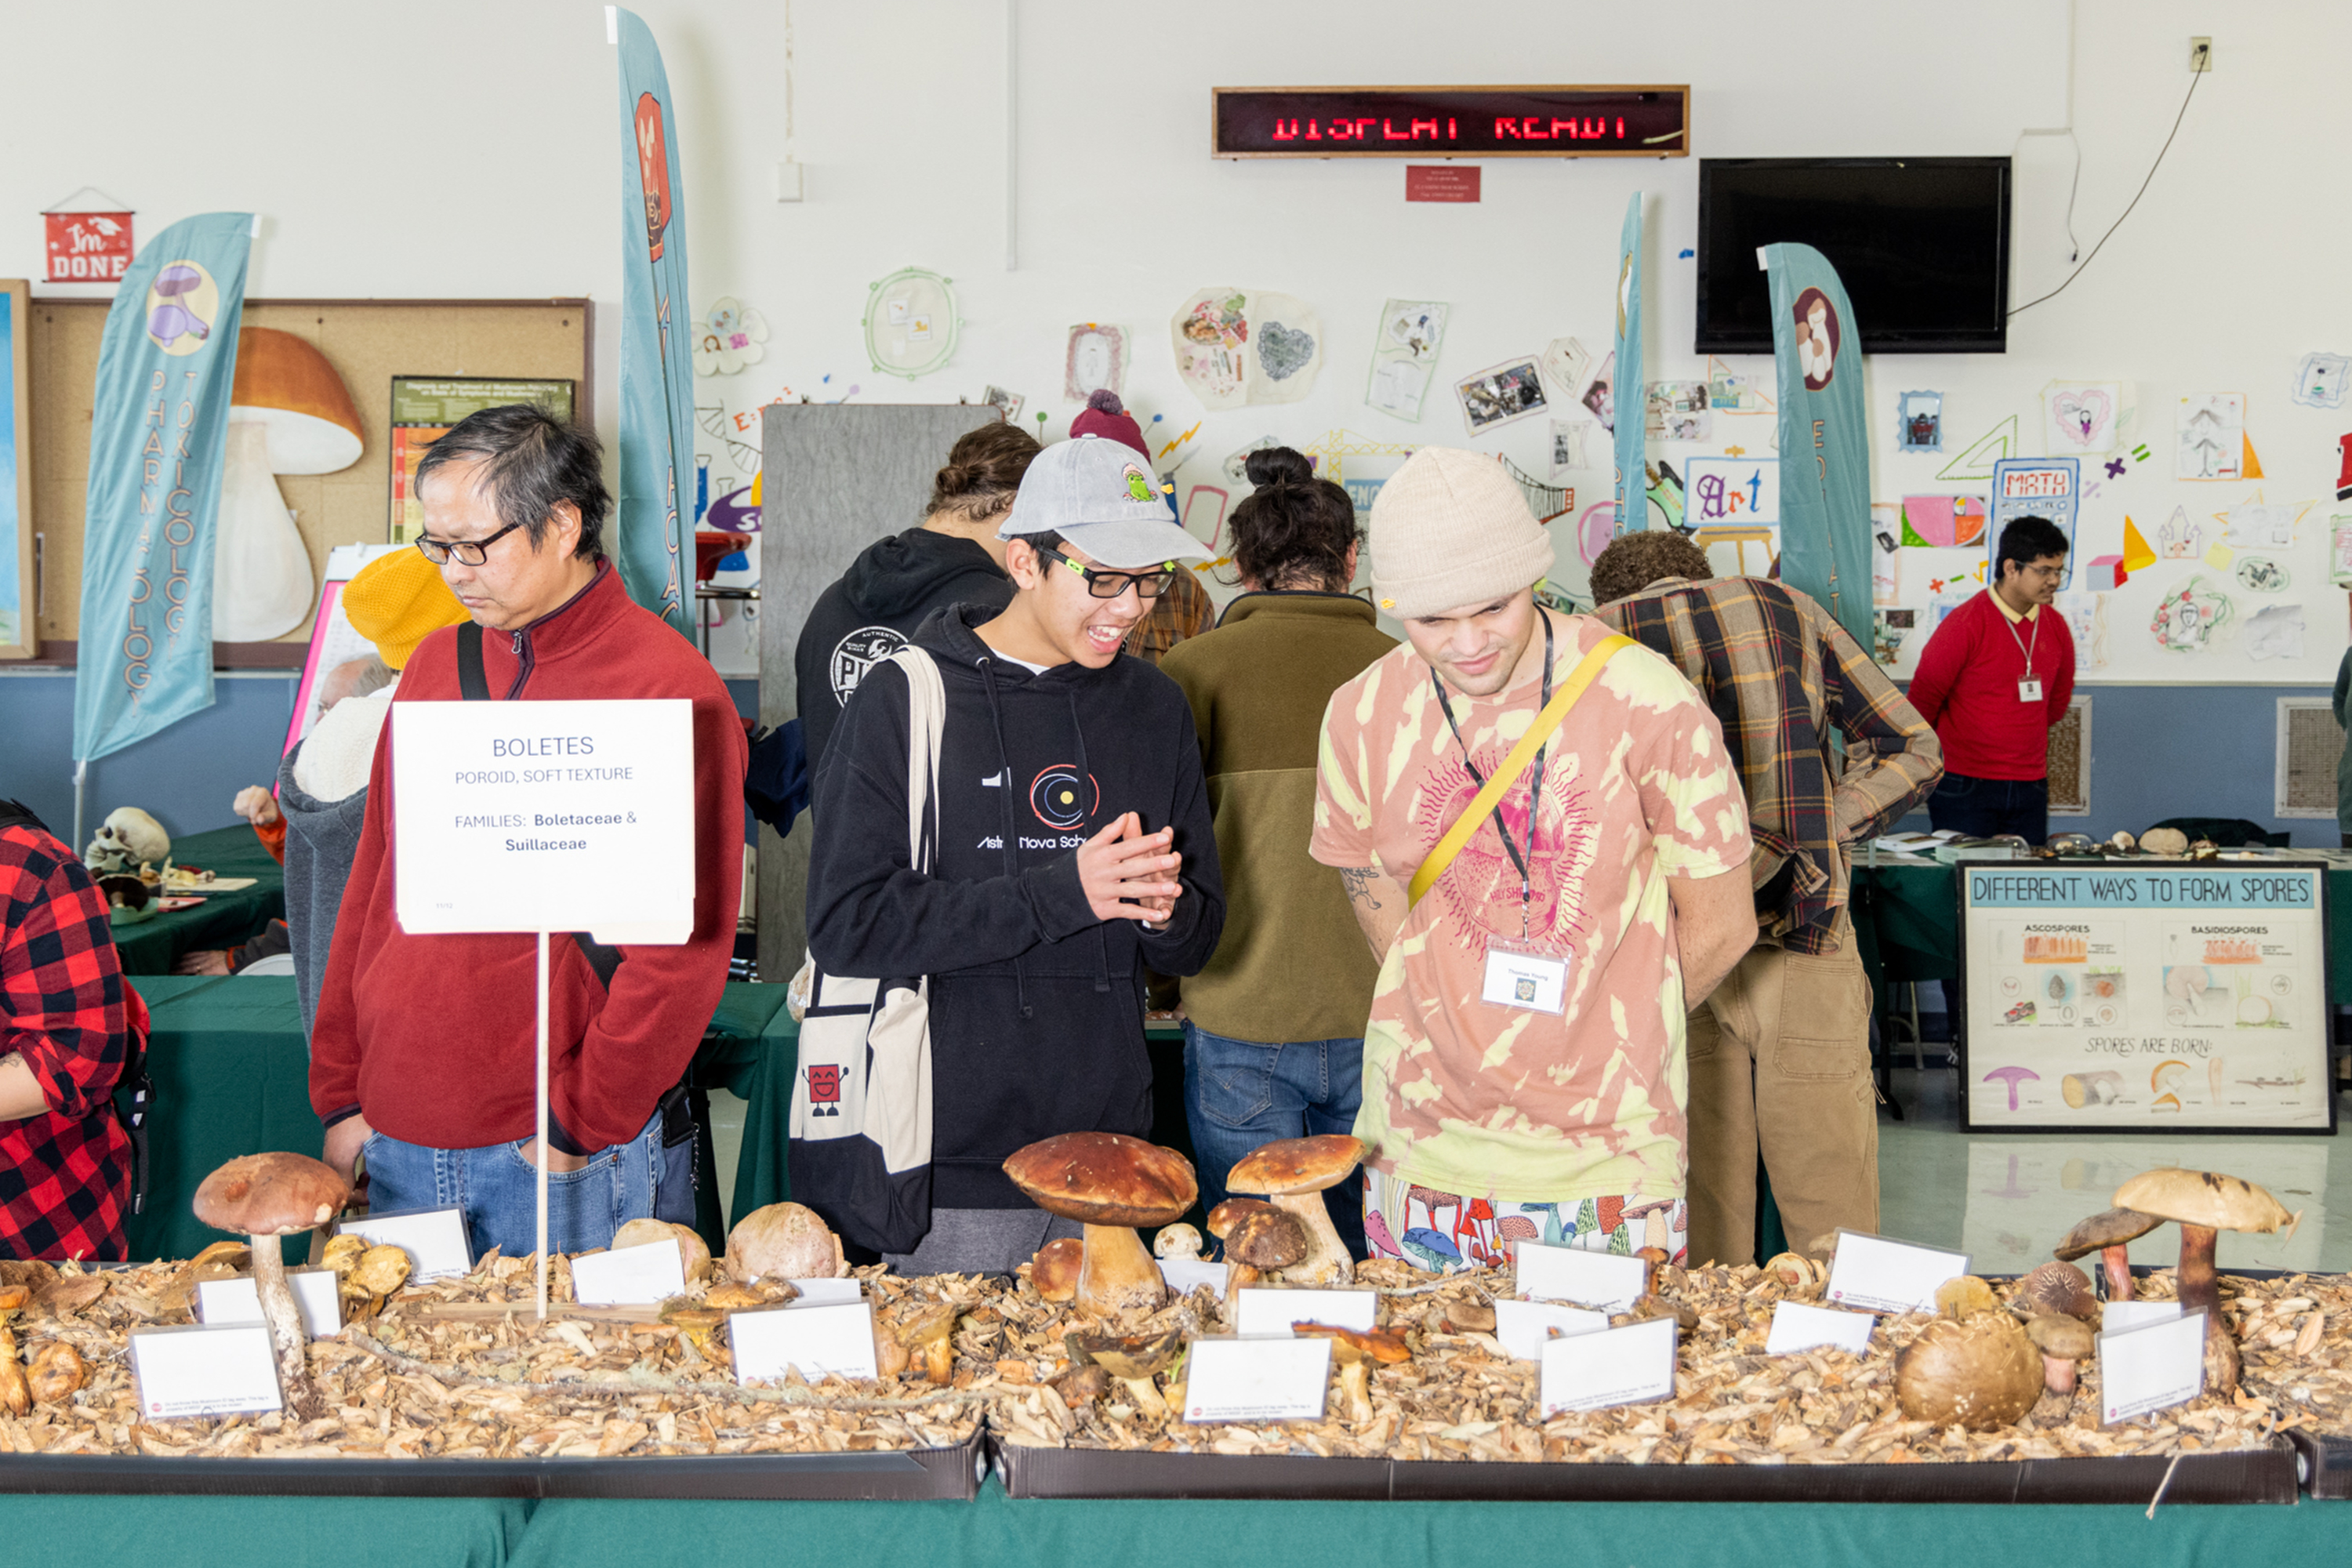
[[289, 414]]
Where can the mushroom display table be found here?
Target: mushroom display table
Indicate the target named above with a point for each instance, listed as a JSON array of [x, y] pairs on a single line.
[[223, 919]]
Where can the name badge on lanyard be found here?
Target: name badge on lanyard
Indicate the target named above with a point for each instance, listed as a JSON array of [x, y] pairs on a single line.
[[1525, 976], [2029, 689]]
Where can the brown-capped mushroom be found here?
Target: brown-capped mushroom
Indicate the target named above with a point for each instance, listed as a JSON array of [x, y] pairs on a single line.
[[56, 1372], [2204, 1204], [341, 1255], [265, 1196], [1979, 1372], [929, 1337], [1964, 1296], [1054, 1270], [693, 1252], [1261, 1242], [15, 1395], [2109, 1233], [375, 1275], [1469, 1318], [2057, 1288], [12, 1300], [2062, 1341], [1109, 1183], [1134, 1359], [1292, 1174], [697, 1325], [784, 1241], [730, 1296], [1800, 1273], [1080, 1385], [1177, 1243], [1356, 1351]]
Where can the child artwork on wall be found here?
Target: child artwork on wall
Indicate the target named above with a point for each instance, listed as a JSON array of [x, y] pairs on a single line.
[[2186, 618], [2256, 524], [733, 335], [2339, 551], [1919, 422], [1010, 401], [2087, 617], [1677, 411], [1499, 395], [1600, 396], [1566, 362], [1093, 360], [2210, 436], [1942, 521], [2179, 539], [2319, 379], [2275, 632], [1238, 346], [1727, 392], [2079, 418], [1567, 447], [1405, 355]]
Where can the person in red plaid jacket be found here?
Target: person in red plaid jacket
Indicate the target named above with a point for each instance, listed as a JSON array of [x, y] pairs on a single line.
[[68, 1023]]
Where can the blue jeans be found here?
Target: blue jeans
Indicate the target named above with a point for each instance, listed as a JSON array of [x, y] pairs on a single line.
[[497, 1189], [1981, 808], [1240, 1095]]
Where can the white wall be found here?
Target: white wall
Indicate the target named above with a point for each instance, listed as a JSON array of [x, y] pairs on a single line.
[[472, 150]]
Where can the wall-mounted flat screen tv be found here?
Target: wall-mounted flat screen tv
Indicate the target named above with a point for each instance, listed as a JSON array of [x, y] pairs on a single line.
[[1921, 244]]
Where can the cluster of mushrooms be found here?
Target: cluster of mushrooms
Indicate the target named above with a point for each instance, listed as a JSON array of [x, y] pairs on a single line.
[[2163, 843]]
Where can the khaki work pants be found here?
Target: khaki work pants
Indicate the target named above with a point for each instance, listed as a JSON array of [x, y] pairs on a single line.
[[1779, 1058]]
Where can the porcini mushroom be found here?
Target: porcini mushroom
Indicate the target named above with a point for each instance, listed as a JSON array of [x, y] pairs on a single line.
[[1054, 1270], [1177, 1243], [56, 1372], [2062, 1341], [2059, 1288], [693, 1252], [265, 1196], [376, 1274], [1356, 1351], [929, 1336], [1292, 1174], [1109, 1183], [1259, 1241], [2109, 1233], [2204, 1204], [289, 413], [1979, 1372], [1134, 1359], [1964, 1296], [784, 1241]]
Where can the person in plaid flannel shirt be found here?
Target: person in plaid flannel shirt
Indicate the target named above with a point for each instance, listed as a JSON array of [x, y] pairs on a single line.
[[67, 1021]]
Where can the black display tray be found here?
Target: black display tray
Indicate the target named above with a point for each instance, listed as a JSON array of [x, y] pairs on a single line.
[[2324, 1462], [2252, 1476], [952, 1473]]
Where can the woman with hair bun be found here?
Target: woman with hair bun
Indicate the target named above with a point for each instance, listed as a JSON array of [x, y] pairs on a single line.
[[1274, 1031], [951, 557]]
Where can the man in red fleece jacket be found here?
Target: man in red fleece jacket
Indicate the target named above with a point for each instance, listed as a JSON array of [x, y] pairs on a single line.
[[422, 1058]]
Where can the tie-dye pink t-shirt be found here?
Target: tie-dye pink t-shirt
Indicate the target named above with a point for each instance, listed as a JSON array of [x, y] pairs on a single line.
[[1466, 1096]]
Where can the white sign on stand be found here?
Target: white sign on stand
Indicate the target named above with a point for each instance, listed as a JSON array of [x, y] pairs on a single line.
[[545, 818]]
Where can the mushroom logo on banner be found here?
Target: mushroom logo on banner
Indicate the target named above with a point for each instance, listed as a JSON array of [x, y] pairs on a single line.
[[166, 365], [654, 516], [1632, 448], [1824, 450]]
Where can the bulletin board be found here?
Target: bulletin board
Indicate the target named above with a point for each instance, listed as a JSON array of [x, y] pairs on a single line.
[[368, 341], [2168, 996]]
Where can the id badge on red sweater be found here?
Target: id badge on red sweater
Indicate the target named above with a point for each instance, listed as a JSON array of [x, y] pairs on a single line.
[[2029, 689], [1530, 976]]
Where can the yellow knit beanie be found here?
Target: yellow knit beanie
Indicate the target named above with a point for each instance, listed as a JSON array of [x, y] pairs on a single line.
[[1452, 528], [396, 601]]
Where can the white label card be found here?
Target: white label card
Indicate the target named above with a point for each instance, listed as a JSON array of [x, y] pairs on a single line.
[[2151, 1368], [1796, 1327], [1186, 1275], [1524, 1327], [1265, 1311], [828, 1292], [556, 816], [434, 1240], [203, 1371], [643, 1276], [1604, 1281], [1879, 1275], [821, 1342], [2122, 1317], [223, 1302], [1532, 982], [1256, 1380], [1631, 1365]]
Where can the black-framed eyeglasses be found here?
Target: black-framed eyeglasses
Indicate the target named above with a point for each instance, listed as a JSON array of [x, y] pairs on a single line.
[[1111, 584], [471, 552]]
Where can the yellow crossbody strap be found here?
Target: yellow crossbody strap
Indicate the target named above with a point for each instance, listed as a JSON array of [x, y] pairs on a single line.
[[1488, 798]]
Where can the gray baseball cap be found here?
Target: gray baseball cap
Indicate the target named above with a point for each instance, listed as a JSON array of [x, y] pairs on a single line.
[[1102, 497]]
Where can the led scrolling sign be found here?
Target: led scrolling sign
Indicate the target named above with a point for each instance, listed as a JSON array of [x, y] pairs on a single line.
[[1450, 122]]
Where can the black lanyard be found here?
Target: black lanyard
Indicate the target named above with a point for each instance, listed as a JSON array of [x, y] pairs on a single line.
[[1535, 774]]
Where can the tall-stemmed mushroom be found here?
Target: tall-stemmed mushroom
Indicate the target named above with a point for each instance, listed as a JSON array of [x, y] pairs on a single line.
[[2204, 1204], [2109, 1233], [263, 1197], [1109, 1183], [1292, 1174]]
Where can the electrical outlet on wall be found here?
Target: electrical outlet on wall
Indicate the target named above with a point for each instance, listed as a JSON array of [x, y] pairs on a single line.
[[2200, 55]]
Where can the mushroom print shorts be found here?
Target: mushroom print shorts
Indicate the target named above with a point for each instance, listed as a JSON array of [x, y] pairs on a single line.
[[1445, 1231]]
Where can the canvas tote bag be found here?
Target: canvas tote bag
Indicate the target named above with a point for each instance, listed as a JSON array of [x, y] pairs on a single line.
[[861, 1127]]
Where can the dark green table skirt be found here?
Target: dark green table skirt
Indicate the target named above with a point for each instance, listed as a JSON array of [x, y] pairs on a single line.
[[223, 919], [249, 1532]]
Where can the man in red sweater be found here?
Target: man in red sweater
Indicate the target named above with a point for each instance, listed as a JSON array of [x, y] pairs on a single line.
[[422, 1057]]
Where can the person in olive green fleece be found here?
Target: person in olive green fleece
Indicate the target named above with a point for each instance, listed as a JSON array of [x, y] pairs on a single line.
[[1274, 1030]]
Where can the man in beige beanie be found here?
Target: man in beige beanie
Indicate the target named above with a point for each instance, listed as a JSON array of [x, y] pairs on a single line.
[[1523, 1070]]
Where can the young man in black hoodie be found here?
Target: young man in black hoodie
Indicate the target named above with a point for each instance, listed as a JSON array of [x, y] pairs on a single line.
[[951, 557], [1075, 848]]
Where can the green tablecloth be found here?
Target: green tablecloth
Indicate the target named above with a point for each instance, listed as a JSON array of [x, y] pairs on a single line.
[[232, 1078], [223, 919], [247, 1533]]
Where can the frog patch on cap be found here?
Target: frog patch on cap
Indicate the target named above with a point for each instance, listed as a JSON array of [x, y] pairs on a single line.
[[1138, 484]]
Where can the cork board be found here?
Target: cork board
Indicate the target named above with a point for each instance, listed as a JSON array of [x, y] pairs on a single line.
[[368, 341]]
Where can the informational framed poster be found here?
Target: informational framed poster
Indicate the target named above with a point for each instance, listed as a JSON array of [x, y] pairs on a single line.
[[2049, 488], [2166, 996], [423, 407]]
